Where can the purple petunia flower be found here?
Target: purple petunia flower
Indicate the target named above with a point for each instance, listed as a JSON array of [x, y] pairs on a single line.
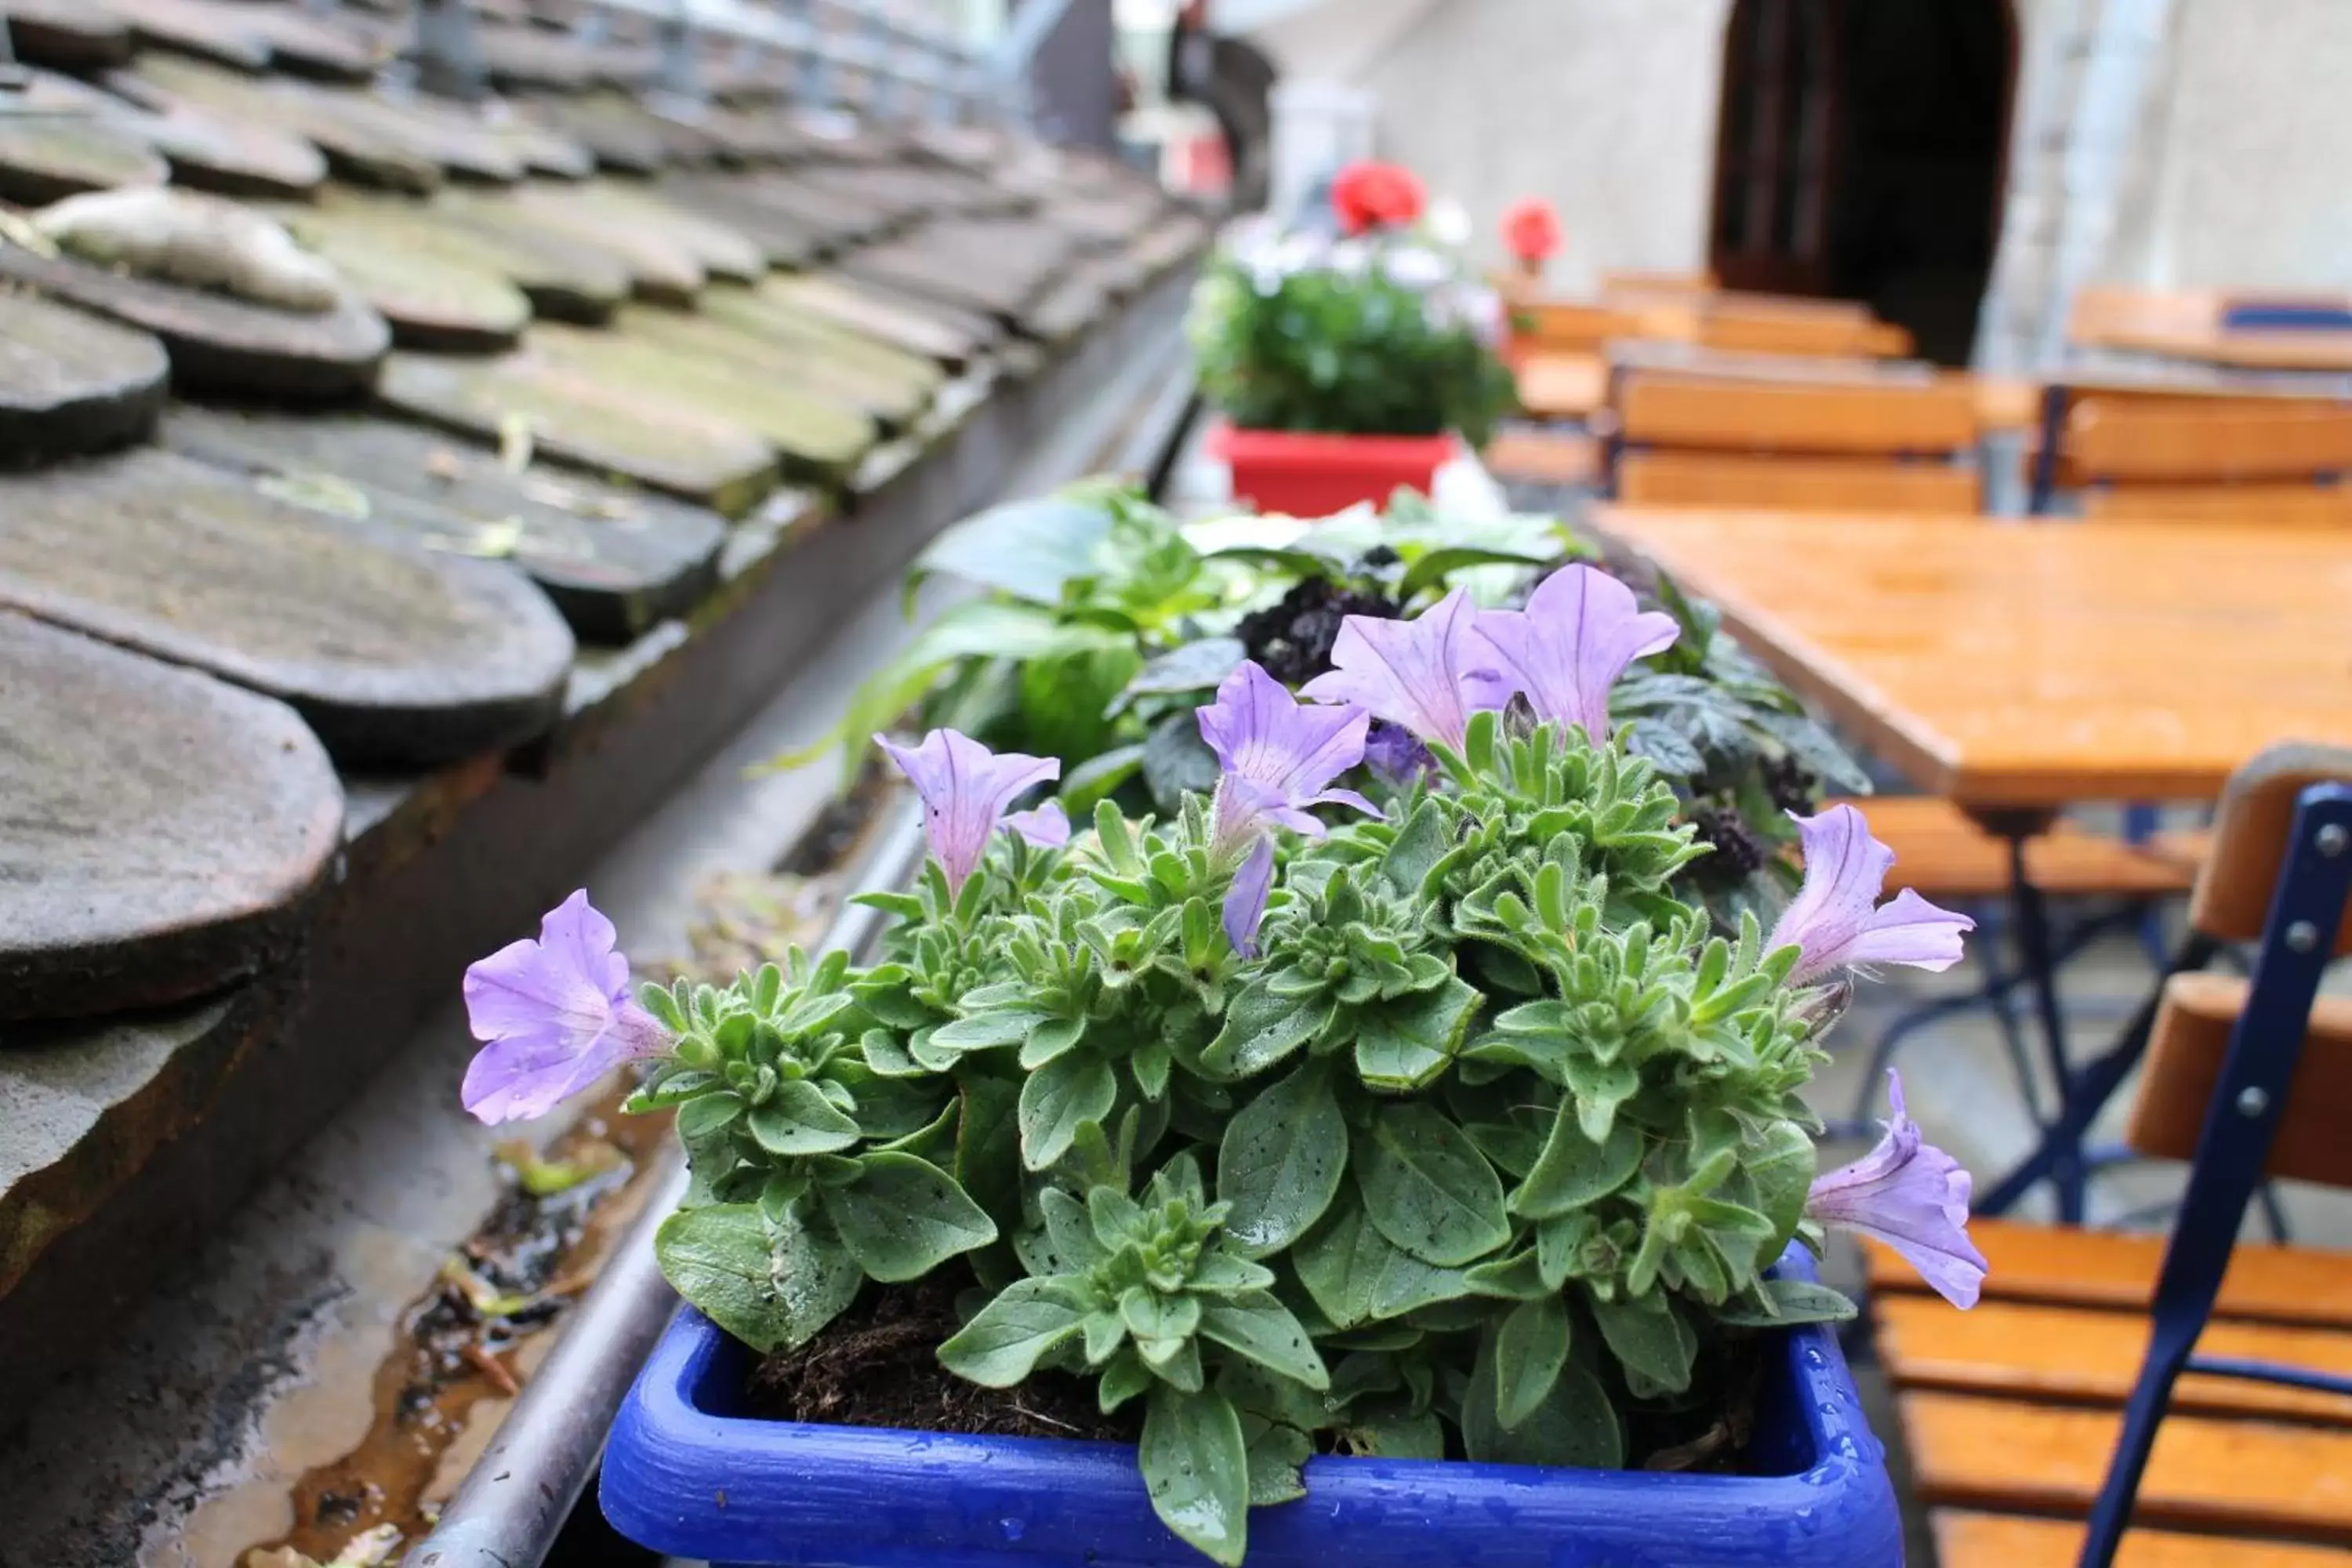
[[1048, 826], [556, 1013], [1393, 753], [1279, 756], [1836, 919], [1567, 648], [965, 789], [1428, 674], [1913, 1198], [1245, 901]]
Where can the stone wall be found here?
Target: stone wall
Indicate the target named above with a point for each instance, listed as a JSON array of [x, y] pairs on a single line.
[[1606, 108]]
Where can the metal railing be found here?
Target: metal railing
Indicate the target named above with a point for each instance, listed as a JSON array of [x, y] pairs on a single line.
[[909, 69]]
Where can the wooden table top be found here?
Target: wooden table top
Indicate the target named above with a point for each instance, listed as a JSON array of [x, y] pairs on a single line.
[[2034, 664]]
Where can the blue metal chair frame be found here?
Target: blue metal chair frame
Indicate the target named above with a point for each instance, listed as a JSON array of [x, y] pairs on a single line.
[[2298, 942]]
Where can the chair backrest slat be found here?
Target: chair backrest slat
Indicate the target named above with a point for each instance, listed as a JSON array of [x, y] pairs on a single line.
[[2207, 440], [1799, 484], [1851, 417], [2186, 1052], [2232, 896]]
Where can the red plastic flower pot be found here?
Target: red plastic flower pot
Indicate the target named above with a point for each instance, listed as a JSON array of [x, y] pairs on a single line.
[[1313, 475]]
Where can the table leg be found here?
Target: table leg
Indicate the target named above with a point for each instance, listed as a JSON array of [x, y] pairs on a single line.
[[2031, 914], [2086, 1091]]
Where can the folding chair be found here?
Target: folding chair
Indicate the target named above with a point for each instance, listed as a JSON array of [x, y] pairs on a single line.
[[2233, 1364]]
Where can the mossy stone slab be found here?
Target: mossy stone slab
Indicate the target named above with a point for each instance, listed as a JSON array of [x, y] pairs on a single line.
[[233, 157], [364, 150], [532, 59], [83, 1106], [660, 267], [644, 435], [72, 383], [222, 344], [165, 830], [771, 337], [46, 157], [820, 437], [193, 28], [396, 655], [563, 280], [66, 34], [615, 561], [836, 218], [623, 136], [434, 302], [733, 199], [605, 207], [947, 336]]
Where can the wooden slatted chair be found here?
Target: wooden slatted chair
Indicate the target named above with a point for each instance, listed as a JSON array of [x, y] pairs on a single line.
[[2168, 437], [1792, 432], [2195, 1388]]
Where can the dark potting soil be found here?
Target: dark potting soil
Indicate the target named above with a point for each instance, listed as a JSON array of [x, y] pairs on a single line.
[[878, 1365]]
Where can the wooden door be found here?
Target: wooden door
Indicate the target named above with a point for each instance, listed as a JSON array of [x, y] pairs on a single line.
[[1777, 147]]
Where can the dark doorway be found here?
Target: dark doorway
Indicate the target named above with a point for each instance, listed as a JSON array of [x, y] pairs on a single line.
[[1860, 155]]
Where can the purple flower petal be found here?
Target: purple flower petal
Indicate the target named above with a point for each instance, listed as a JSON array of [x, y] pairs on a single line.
[[1279, 756], [965, 789], [556, 1013], [1835, 920], [1048, 826], [1567, 648], [1245, 901], [1427, 674], [1913, 1198], [1392, 752]]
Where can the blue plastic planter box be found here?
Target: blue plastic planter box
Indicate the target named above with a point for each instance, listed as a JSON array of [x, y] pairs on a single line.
[[686, 1475]]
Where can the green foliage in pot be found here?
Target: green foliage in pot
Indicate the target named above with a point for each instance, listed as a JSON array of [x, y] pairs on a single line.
[[1436, 1121], [1375, 335]]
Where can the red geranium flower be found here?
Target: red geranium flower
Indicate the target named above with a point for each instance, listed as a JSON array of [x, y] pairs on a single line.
[[1531, 229], [1370, 195]]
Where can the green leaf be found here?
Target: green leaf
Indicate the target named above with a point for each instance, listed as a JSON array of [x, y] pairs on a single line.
[[1779, 1163], [1257, 1325], [904, 1216], [1573, 1171], [772, 1286], [1276, 1452], [1648, 1336], [1575, 1426], [1057, 1099], [1004, 1343], [1426, 838], [1028, 548], [1086, 784], [1281, 1162], [1196, 1468], [1261, 1028], [1435, 566], [1530, 1347], [1176, 762], [1194, 667], [1397, 1434], [988, 1145], [988, 1031], [1066, 698], [799, 1120], [1403, 1046], [1428, 1188], [1786, 1304], [1355, 1275]]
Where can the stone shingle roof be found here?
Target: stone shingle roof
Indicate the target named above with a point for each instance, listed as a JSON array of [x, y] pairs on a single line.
[[590, 358]]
